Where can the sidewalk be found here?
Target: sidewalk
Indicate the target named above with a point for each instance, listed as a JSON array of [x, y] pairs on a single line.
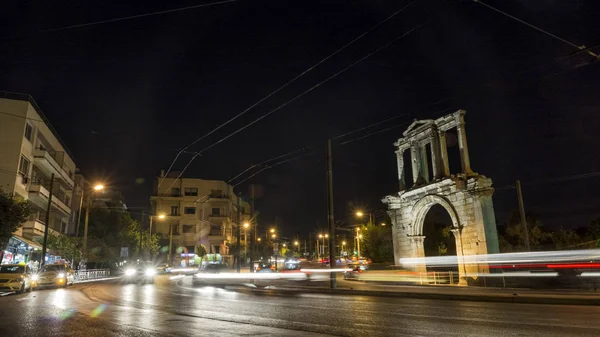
[[507, 295]]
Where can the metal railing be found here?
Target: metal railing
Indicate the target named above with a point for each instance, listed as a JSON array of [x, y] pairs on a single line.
[[91, 274]]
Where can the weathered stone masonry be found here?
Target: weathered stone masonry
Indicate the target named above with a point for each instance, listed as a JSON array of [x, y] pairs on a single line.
[[467, 196]]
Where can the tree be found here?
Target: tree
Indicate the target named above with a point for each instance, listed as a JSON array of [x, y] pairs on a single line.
[[66, 246], [14, 211], [512, 238], [565, 239], [594, 231], [376, 243]]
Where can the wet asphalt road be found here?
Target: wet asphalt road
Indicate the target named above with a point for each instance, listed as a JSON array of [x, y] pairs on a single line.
[[177, 308]]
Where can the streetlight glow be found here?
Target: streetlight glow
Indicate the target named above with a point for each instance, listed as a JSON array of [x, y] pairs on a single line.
[[273, 236], [246, 225], [296, 243], [320, 236], [359, 214], [272, 230], [99, 187], [258, 239], [383, 223], [161, 216], [344, 242], [284, 245]]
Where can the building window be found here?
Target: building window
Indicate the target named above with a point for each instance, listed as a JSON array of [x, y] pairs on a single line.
[[191, 191], [190, 249], [217, 249], [189, 228], [175, 210], [175, 229], [216, 193], [24, 166], [216, 211], [67, 200], [175, 192], [28, 131], [189, 210]]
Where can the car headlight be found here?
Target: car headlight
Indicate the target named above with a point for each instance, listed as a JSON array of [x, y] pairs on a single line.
[[34, 277], [129, 272], [60, 275], [150, 272]]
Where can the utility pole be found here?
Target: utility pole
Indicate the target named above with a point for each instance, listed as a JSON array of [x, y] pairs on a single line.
[[522, 213], [141, 234], [170, 244], [47, 220], [332, 276], [252, 222], [239, 233]]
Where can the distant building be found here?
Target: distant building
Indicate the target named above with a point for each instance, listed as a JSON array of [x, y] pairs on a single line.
[[30, 152], [199, 212]]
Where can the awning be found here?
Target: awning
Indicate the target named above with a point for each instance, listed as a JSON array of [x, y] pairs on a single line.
[[32, 244]]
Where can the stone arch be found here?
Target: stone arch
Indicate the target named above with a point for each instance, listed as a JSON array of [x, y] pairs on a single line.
[[421, 207]]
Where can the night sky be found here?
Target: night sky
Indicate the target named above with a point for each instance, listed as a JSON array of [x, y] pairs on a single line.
[[125, 95]]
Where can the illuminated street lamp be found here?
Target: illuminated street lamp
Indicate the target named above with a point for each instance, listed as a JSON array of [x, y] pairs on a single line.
[[383, 224], [360, 214]]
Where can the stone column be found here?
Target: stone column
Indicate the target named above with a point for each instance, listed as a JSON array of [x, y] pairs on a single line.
[[414, 159], [462, 142], [424, 167], [401, 176], [419, 251], [435, 154], [445, 167], [462, 270]]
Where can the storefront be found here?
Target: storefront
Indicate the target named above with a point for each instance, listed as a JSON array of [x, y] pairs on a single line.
[[20, 250]]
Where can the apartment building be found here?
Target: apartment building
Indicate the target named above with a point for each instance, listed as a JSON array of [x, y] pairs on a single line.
[[199, 212], [30, 153]]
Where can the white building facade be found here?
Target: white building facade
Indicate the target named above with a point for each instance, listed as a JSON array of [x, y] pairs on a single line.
[[30, 153], [199, 213]]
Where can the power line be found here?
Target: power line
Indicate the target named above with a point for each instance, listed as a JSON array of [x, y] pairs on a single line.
[[367, 127], [137, 16], [286, 84], [302, 94], [583, 48], [373, 133], [266, 161]]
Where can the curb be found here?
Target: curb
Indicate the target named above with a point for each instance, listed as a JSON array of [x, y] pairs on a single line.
[[444, 296]]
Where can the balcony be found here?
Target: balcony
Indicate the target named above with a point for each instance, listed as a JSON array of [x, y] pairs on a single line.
[[36, 227], [47, 164], [38, 194]]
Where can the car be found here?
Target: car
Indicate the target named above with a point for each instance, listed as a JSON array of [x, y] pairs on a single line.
[[163, 269], [139, 272], [264, 267], [213, 268], [55, 275], [15, 277]]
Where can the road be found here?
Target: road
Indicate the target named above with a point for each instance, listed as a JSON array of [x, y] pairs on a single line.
[[176, 308]]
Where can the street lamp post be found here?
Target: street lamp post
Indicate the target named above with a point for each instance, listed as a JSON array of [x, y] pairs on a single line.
[[98, 187], [246, 225], [296, 243], [358, 237]]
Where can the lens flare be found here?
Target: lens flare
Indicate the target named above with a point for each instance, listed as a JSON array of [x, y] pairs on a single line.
[[66, 314], [98, 311]]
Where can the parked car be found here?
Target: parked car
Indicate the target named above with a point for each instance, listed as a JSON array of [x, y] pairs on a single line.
[[55, 275], [14, 277], [265, 267]]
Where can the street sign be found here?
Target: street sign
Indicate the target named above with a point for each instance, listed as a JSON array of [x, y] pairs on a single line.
[[124, 251], [275, 248]]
